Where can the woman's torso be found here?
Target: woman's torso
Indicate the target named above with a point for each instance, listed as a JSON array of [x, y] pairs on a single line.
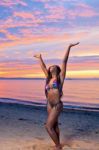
[[53, 94]]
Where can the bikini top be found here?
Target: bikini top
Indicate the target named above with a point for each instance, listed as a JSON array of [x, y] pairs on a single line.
[[54, 85]]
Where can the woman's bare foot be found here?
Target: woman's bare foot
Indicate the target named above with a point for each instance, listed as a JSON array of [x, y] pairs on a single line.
[[58, 147]]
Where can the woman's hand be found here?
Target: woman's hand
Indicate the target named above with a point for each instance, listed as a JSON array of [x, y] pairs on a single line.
[[73, 44], [37, 55]]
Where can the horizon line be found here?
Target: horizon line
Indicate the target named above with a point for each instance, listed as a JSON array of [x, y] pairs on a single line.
[[45, 78]]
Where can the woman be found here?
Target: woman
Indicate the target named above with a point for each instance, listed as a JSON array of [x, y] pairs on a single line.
[[53, 91]]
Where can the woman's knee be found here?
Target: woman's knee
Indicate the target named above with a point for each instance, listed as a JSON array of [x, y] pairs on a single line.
[[48, 127]]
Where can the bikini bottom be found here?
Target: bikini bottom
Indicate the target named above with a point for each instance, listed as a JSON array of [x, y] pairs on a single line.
[[56, 105]]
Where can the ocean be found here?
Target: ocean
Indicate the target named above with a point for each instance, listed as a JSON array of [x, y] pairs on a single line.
[[77, 93]]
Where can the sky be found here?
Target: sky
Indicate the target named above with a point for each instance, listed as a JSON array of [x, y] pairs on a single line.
[[47, 27]]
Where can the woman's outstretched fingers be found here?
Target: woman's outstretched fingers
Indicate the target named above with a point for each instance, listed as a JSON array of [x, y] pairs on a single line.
[[74, 44], [77, 43], [37, 55]]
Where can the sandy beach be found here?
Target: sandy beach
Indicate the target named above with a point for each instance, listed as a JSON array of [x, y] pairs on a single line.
[[22, 128]]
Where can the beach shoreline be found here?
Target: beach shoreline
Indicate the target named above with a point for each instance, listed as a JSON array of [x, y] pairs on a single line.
[[22, 128]]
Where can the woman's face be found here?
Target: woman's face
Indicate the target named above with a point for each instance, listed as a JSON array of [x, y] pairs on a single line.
[[53, 69]]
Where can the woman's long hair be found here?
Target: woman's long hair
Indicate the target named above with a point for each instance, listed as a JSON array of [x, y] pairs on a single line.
[[58, 80]]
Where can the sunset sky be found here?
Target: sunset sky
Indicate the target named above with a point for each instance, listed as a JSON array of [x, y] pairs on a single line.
[[29, 27]]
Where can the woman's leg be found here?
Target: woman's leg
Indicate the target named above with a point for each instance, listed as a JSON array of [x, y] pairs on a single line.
[[49, 108], [56, 127], [52, 118]]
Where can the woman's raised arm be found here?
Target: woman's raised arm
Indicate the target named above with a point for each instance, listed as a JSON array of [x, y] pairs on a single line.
[[43, 66], [64, 63]]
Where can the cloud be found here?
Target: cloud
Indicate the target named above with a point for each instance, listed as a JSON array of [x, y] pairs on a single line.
[[85, 66], [60, 12], [83, 10], [54, 12], [11, 3], [24, 15], [48, 26]]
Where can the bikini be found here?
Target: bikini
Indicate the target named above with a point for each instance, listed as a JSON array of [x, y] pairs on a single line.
[[54, 85]]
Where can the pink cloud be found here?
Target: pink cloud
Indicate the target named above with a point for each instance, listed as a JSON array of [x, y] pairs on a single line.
[[54, 12], [44, 1], [27, 22], [83, 66], [47, 35], [50, 30], [20, 69], [3, 31], [81, 10], [60, 12], [11, 3], [8, 35], [24, 15]]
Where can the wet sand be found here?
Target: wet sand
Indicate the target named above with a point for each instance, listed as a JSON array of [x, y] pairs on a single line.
[[22, 128]]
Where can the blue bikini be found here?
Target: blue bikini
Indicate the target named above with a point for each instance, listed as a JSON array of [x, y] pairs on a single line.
[[54, 85]]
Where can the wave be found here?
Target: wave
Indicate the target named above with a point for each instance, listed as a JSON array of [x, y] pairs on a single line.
[[66, 105]]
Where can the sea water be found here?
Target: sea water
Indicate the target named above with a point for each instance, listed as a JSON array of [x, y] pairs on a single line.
[[77, 93]]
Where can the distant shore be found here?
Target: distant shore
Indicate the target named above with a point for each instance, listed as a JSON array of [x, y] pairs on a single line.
[[18, 78]]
